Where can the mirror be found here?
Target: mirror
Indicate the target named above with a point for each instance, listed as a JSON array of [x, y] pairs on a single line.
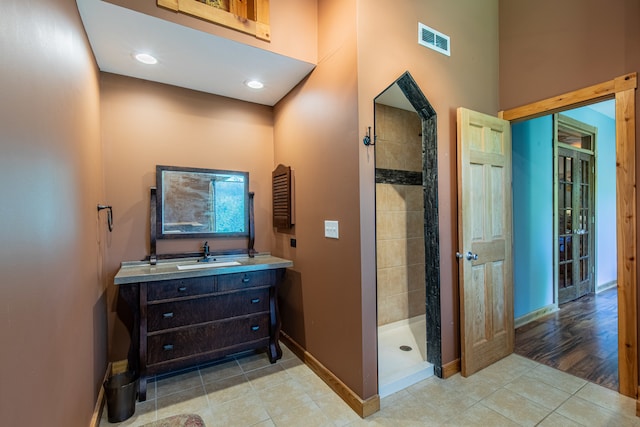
[[196, 202]]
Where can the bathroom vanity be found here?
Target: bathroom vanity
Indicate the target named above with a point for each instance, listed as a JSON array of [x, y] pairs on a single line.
[[185, 312]]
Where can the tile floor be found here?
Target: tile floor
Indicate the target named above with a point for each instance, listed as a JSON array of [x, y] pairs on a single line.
[[249, 391]]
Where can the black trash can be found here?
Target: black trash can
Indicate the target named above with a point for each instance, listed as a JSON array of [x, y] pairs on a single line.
[[121, 390]]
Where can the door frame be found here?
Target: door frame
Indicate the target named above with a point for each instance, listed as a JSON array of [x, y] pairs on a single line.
[[622, 89]]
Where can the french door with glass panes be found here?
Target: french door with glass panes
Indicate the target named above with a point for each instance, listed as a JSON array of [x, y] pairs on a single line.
[[576, 218]]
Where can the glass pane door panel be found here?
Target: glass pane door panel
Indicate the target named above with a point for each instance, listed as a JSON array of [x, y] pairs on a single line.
[[574, 207]]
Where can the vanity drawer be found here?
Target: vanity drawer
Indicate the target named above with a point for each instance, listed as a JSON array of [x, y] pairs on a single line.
[[166, 289], [180, 313], [205, 338], [228, 282]]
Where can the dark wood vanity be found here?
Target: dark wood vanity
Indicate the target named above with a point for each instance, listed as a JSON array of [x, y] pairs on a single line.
[[184, 318], [185, 310]]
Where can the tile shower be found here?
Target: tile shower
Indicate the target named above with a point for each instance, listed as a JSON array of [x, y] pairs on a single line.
[[400, 250]]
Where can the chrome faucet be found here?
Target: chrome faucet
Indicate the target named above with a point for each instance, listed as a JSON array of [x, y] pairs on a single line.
[[206, 256]]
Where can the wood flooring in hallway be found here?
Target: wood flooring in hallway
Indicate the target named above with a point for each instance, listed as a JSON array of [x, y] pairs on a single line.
[[580, 339]]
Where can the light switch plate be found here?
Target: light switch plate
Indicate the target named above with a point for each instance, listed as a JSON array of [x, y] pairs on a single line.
[[331, 229]]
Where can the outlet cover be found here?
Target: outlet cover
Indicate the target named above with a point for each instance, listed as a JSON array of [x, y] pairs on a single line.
[[331, 229]]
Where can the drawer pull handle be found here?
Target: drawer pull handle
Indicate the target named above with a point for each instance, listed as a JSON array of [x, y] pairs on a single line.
[[245, 279], [167, 347], [255, 328], [182, 288], [168, 315], [255, 300]]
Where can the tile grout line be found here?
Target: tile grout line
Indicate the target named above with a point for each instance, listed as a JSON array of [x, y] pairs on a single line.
[[503, 388], [204, 388]]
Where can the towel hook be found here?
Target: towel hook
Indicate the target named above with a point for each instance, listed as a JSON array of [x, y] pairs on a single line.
[[109, 215], [367, 138]]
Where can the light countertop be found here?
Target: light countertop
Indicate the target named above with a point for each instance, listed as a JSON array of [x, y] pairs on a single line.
[[142, 271]]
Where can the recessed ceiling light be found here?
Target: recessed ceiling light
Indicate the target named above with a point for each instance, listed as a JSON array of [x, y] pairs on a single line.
[[254, 84], [145, 58]]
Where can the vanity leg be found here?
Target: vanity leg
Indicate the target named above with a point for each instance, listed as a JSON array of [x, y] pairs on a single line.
[[275, 352], [130, 316], [142, 342]]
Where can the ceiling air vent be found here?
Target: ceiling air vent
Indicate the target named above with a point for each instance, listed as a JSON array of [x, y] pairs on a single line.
[[433, 39]]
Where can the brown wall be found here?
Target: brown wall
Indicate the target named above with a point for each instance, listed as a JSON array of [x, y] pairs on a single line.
[[387, 47], [548, 47], [330, 303], [53, 310], [145, 124], [316, 134], [293, 26]]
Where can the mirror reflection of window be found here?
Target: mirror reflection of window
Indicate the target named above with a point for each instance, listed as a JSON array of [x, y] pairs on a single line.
[[228, 202], [209, 202]]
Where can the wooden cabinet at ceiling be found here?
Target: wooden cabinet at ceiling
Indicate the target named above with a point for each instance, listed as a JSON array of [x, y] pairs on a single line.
[[247, 16]]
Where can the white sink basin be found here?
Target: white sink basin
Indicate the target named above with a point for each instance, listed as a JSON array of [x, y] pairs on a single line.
[[207, 265]]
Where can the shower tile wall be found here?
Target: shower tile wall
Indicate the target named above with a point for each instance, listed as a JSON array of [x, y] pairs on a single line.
[[399, 217]]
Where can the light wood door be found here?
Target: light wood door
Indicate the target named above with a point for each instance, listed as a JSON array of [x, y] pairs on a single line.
[[484, 232]]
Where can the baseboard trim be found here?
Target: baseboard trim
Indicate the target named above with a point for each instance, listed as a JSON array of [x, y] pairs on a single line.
[[364, 408], [450, 369], [101, 400], [534, 315], [606, 286]]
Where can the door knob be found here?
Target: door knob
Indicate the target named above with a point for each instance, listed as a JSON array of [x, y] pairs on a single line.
[[470, 256]]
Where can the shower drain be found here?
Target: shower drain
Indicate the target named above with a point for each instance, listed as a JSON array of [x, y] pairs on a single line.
[[405, 348]]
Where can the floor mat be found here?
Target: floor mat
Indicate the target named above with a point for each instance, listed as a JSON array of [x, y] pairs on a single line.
[[184, 420]]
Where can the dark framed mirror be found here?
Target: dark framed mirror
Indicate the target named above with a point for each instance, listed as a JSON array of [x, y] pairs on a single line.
[[196, 202]]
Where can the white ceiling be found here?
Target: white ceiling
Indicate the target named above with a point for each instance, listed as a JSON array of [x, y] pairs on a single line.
[[394, 97], [186, 57], [208, 63]]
